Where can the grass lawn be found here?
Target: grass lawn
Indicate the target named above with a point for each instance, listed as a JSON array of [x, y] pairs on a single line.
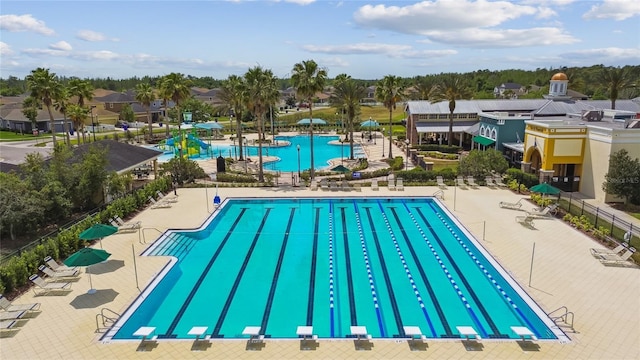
[[12, 136]]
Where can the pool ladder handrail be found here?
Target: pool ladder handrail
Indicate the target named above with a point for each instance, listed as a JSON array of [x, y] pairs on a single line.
[[144, 239], [439, 194], [106, 319], [566, 317]]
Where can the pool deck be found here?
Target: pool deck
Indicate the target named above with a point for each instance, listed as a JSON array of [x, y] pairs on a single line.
[[604, 299]]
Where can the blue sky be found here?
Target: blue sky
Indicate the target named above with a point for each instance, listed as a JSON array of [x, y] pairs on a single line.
[[364, 39]]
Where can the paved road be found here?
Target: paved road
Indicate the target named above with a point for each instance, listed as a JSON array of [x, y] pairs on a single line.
[[15, 152]]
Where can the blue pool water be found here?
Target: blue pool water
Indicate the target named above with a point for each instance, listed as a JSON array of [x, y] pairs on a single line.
[[288, 155], [330, 263]]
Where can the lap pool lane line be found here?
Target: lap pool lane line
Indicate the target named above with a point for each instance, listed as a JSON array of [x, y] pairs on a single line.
[[483, 310], [312, 276], [234, 288], [423, 275], [205, 271], [347, 255], [276, 276], [486, 273], [331, 279]]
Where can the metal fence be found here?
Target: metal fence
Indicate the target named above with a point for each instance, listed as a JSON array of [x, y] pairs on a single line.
[[600, 218]]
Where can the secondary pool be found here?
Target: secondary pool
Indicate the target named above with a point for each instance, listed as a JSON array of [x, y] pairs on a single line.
[[288, 154], [330, 263]]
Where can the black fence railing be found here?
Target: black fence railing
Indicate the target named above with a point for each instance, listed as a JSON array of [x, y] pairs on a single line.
[[618, 227]]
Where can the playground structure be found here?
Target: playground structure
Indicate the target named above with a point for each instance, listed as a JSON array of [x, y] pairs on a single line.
[[187, 141]]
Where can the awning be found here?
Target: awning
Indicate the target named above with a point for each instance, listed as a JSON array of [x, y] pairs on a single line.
[[473, 129], [440, 128], [519, 147], [483, 140]]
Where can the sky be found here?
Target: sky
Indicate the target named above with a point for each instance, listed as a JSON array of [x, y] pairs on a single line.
[[363, 39]]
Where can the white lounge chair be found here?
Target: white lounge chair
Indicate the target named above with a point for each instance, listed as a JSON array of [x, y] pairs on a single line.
[[333, 185], [135, 225], [391, 184], [615, 251], [441, 183], [400, 184], [472, 182], [324, 184], [526, 220], [8, 306], [460, 182], [57, 267], [614, 259], [374, 184], [313, 185], [490, 182], [498, 181], [12, 315], [166, 198], [547, 212], [344, 185], [47, 287], [515, 206], [7, 325], [57, 275], [158, 204]]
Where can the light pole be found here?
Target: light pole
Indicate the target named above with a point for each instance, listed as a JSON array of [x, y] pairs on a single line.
[[407, 165], [93, 126], [298, 147], [382, 142], [341, 152]]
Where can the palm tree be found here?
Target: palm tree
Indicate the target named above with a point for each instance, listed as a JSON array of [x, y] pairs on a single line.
[[616, 80], [78, 116], [45, 87], [261, 93], [61, 102], [450, 88], [145, 96], [389, 91], [308, 79], [82, 89], [232, 92], [30, 107], [347, 94], [423, 86], [177, 88]]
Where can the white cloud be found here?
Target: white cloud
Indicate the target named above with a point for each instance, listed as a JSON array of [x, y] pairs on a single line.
[[606, 55], [548, 2], [486, 38], [426, 16], [44, 52], [300, 2], [5, 49], [61, 45], [546, 12], [614, 9], [360, 48], [88, 35], [23, 23]]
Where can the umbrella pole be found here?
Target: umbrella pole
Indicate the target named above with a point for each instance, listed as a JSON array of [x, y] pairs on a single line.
[[91, 289]]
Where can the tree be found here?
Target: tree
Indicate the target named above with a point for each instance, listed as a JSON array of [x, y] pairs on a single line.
[[389, 91], [346, 96], [233, 93], [78, 116], [145, 96], [615, 80], [308, 79], [90, 175], [261, 94], [44, 86], [30, 108], [20, 206], [623, 178], [451, 88], [479, 163], [82, 89], [61, 103], [177, 88]]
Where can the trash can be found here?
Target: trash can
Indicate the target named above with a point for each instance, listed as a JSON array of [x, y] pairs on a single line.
[[220, 164]]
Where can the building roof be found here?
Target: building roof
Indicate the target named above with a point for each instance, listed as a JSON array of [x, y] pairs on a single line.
[[120, 156], [509, 85], [559, 76]]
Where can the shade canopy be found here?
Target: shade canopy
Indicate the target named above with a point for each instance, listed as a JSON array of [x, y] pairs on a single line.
[[545, 188], [483, 140], [86, 257], [340, 168], [315, 121], [98, 231], [210, 126], [369, 124]]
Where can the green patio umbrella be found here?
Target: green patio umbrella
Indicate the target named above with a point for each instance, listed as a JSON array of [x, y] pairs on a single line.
[[87, 257], [340, 169], [545, 189], [97, 232]]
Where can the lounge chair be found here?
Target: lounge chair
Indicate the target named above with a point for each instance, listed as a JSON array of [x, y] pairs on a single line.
[[472, 182], [333, 185], [324, 184], [490, 182], [547, 212], [400, 184], [441, 183], [344, 185], [57, 275], [313, 185], [526, 221], [11, 315], [615, 259], [8, 306], [123, 228], [460, 182], [615, 251], [136, 225], [391, 184], [166, 198], [7, 324], [357, 187], [498, 181], [374, 184], [158, 204], [57, 267], [47, 287], [515, 206]]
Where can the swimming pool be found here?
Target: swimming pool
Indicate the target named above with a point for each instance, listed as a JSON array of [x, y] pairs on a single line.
[[330, 263], [288, 155]]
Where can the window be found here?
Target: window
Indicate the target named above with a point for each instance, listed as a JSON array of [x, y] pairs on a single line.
[[500, 121], [494, 134], [482, 130]]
